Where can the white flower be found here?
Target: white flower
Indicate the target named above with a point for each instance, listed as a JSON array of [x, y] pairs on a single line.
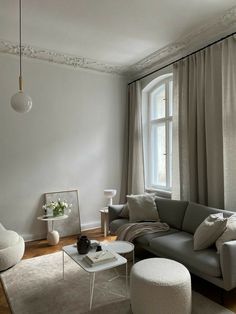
[[61, 205]]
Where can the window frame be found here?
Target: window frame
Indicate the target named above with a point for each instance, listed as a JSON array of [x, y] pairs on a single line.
[[155, 122]]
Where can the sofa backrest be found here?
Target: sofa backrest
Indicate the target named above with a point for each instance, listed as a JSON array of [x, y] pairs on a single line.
[[171, 211], [195, 214]]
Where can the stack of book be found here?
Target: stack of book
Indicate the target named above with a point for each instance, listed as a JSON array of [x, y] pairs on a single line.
[[98, 258]]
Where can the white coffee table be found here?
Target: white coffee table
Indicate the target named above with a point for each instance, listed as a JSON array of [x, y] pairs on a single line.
[[53, 236], [71, 251], [120, 247]]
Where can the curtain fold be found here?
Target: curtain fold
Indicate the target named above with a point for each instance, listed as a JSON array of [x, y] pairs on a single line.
[[229, 120], [204, 129], [133, 170], [198, 146]]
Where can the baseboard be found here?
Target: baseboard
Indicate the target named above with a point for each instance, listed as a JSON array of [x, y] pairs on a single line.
[[34, 237], [91, 225]]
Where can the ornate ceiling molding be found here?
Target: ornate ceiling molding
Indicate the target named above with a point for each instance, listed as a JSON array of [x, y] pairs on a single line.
[[59, 58], [213, 30], [209, 32]]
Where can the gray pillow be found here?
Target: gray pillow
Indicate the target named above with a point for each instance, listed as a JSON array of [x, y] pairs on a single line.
[[142, 208], [229, 234], [125, 211], [209, 231]]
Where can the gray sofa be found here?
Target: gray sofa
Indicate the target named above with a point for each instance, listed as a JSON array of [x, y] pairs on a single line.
[[177, 243]]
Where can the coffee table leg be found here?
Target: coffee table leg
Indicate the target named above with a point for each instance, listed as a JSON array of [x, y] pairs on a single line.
[[126, 277], [92, 279], [63, 264]]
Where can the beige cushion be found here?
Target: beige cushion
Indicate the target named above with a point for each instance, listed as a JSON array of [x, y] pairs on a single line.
[[209, 231], [229, 234], [142, 208], [8, 238]]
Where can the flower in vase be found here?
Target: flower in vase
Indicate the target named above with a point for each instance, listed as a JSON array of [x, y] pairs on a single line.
[[57, 208]]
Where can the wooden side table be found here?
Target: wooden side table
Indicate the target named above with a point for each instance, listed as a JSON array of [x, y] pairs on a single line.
[[104, 220]]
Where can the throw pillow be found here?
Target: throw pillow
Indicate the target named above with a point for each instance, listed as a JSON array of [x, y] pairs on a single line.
[[125, 211], [142, 208], [209, 231], [229, 234]]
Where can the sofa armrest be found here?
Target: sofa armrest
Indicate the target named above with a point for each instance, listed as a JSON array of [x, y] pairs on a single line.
[[114, 212], [228, 264]]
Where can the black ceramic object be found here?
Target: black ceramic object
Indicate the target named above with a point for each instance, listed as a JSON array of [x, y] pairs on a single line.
[[83, 245], [99, 248]]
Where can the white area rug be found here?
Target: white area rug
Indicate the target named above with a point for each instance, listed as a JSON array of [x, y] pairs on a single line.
[[36, 286]]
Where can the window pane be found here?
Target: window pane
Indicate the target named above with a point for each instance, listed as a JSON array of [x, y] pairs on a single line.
[[158, 103], [159, 155], [170, 98]]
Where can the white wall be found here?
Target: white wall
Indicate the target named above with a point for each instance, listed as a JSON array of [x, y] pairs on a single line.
[[71, 139]]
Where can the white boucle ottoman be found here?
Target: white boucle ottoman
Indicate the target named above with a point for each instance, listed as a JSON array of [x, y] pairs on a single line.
[[12, 247], [160, 286]]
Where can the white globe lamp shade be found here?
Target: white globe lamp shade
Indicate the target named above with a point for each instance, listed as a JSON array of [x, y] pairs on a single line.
[[109, 194], [21, 102]]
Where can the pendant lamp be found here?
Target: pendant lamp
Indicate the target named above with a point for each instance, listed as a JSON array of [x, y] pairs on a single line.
[[21, 102]]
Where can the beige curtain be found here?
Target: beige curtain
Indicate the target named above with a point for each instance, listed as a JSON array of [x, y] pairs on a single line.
[[229, 120], [133, 170], [198, 142]]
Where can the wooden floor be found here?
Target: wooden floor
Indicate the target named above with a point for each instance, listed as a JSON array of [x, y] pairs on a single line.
[[38, 248]]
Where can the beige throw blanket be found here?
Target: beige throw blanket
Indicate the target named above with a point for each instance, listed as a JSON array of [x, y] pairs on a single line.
[[131, 231]]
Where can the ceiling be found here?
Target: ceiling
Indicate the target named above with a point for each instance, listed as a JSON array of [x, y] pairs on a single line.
[[118, 32]]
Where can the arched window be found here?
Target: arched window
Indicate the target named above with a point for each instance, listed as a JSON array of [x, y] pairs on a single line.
[[157, 113]]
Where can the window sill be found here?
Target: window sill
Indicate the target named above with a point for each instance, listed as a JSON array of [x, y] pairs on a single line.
[[160, 193]]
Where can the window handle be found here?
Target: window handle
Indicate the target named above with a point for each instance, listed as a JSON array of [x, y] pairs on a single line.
[[165, 154]]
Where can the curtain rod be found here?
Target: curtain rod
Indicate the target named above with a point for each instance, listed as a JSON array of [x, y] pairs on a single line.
[[190, 54]]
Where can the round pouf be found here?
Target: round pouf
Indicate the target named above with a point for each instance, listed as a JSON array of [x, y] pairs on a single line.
[[160, 286]]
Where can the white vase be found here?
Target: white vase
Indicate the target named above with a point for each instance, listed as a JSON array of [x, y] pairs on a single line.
[[53, 237]]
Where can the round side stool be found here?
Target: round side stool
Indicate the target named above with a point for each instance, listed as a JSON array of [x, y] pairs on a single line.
[[160, 286]]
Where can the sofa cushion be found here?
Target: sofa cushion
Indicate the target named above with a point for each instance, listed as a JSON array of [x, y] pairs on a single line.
[[171, 211], [179, 246], [209, 231], [125, 211], [229, 234], [8, 238], [142, 208], [144, 240], [114, 212], [115, 224], [195, 214]]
